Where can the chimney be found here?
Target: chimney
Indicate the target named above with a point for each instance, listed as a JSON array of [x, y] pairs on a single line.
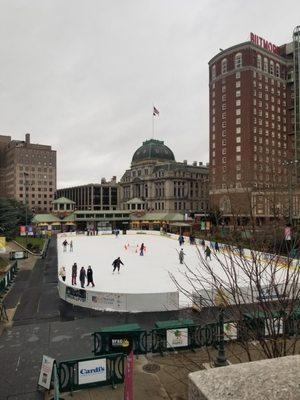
[[200, 163], [27, 138], [194, 163]]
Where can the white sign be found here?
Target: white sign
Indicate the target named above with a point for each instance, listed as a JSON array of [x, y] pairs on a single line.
[[92, 371], [177, 337], [18, 255], [230, 331], [46, 372]]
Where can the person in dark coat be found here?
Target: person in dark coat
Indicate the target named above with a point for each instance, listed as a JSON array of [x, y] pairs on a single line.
[[203, 243], [207, 252], [217, 247], [142, 249], [116, 264], [74, 273], [65, 244], [82, 276], [181, 256], [89, 275], [181, 240]]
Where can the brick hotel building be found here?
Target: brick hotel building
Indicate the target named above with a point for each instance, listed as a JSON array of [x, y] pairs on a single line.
[[254, 128]]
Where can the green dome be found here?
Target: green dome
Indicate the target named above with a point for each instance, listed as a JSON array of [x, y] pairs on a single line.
[[153, 150]]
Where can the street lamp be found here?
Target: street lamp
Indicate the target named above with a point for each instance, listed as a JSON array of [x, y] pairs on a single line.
[[289, 164], [221, 302]]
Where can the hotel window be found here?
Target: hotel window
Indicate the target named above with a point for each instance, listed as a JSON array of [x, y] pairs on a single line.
[[224, 151], [224, 106], [213, 128], [272, 67], [238, 75], [254, 83], [254, 102], [213, 72], [266, 80], [238, 176], [259, 61], [224, 142], [238, 139], [238, 157], [238, 93], [223, 89], [238, 62], [224, 160], [238, 121], [224, 66], [277, 70], [238, 84], [238, 167], [213, 111], [213, 94], [238, 111], [238, 103], [224, 124], [224, 168], [224, 133], [238, 149], [266, 65], [223, 97], [238, 129]]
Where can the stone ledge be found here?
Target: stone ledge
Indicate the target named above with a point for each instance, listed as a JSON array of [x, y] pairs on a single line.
[[276, 379]]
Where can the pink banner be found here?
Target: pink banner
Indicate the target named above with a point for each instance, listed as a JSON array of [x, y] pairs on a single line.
[[128, 381]]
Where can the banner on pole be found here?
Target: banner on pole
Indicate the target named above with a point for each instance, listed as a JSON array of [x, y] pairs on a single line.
[[2, 244], [46, 372], [22, 230], [128, 381]]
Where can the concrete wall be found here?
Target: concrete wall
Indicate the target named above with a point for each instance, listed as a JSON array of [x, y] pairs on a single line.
[[276, 379]]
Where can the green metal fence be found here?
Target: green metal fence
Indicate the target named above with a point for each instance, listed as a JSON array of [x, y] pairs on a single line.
[[89, 372], [7, 279], [122, 338]]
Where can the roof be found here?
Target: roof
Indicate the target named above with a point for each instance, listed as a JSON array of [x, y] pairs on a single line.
[[63, 200], [46, 218], [158, 217], [69, 218], [153, 150]]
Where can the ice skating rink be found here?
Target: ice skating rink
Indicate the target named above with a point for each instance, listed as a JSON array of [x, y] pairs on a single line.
[[148, 274]]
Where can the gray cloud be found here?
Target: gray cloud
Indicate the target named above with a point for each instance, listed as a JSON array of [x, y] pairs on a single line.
[[82, 75]]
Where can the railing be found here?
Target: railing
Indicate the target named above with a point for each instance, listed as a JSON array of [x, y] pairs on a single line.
[[7, 279], [88, 372]]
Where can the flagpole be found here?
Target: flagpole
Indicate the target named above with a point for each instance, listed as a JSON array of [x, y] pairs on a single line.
[[152, 121]]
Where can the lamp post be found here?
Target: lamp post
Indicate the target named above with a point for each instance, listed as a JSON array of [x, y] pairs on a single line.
[[289, 164], [221, 303]]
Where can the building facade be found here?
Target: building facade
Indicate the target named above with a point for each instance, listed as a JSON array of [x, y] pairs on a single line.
[[254, 128], [93, 196], [156, 182], [27, 172]]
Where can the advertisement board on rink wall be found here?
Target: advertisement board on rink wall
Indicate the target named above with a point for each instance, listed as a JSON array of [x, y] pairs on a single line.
[[92, 371]]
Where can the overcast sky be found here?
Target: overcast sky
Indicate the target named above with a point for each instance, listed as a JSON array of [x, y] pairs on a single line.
[[82, 75]]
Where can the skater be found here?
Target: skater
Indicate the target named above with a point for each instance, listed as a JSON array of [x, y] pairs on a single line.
[[181, 240], [207, 252], [82, 276], [142, 249], [117, 262], [65, 244], [217, 247], [62, 273], [71, 246], [89, 275], [74, 273], [203, 244], [181, 256], [117, 232]]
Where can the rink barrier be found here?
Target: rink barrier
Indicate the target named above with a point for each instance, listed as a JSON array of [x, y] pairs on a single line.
[[121, 302], [74, 374]]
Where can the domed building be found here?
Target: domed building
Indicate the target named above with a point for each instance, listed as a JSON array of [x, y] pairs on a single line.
[[157, 182]]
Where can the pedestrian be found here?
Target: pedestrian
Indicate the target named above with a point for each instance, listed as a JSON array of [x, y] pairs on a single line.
[[207, 252], [217, 247], [116, 264], [142, 249], [62, 273], [89, 275], [65, 244], [82, 276], [74, 273], [71, 246], [181, 256], [181, 240]]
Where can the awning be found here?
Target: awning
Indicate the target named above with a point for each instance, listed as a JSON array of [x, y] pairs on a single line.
[[43, 224], [56, 223], [70, 223], [180, 224]]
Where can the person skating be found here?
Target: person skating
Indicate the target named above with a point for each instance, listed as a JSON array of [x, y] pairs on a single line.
[[89, 275], [217, 247], [203, 244], [116, 264], [82, 276], [181, 256], [181, 240], [62, 273], [207, 252], [65, 244], [71, 246], [117, 232], [142, 249], [74, 273]]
